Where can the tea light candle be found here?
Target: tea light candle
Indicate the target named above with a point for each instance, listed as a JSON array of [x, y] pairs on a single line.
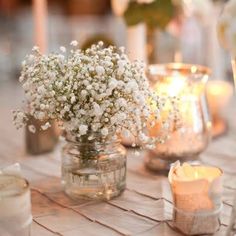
[[197, 194]]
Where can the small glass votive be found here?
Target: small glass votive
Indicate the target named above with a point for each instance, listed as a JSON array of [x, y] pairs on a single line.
[[197, 192], [185, 113], [15, 206]]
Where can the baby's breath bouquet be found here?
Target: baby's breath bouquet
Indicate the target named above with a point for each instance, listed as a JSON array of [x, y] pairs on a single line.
[[95, 95], [95, 90]]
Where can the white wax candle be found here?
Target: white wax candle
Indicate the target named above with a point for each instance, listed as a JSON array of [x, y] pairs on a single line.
[[40, 21], [15, 204], [219, 93], [136, 42]]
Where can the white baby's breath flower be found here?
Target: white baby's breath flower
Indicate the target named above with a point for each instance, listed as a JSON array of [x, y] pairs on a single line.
[[35, 48], [143, 138], [122, 49], [82, 111], [83, 129], [42, 106], [41, 115], [61, 57], [73, 99], [45, 126], [63, 49], [84, 93], [41, 89], [100, 70], [32, 128], [104, 131], [19, 118], [74, 43], [97, 109]]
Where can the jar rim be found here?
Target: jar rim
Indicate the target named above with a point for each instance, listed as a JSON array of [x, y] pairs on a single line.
[[24, 185], [185, 69]]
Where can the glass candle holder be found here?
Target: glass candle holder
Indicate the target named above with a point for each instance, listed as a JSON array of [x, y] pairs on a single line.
[[186, 113], [15, 206], [197, 198]]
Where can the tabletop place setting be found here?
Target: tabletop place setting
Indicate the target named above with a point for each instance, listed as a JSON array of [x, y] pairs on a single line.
[[118, 117]]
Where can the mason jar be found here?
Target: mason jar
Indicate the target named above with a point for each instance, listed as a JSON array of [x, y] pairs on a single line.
[[94, 169]]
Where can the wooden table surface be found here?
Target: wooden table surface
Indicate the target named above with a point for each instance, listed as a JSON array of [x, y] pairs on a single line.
[[143, 209]]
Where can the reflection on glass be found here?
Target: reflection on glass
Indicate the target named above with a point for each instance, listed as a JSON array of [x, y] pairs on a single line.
[[186, 111]]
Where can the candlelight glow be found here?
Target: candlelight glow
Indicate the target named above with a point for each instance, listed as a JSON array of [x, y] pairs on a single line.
[[196, 189], [186, 172], [219, 93], [219, 88], [188, 128], [173, 86]]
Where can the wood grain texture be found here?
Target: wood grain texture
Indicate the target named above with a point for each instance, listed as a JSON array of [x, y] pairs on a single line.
[[143, 209]]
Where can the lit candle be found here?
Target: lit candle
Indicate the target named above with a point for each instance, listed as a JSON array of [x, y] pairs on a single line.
[[197, 194], [185, 110], [219, 93], [40, 29], [136, 42]]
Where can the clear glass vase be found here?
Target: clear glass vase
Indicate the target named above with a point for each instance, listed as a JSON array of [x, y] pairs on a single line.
[[94, 169]]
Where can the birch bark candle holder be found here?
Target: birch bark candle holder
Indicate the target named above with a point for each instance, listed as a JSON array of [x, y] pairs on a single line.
[[197, 194]]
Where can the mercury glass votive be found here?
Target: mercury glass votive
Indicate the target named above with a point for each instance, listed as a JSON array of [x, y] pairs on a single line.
[[185, 113]]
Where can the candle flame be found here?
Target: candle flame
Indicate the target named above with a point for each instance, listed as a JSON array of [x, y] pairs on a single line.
[[188, 172], [173, 86]]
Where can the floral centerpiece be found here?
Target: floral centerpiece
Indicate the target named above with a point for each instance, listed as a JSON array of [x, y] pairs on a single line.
[[95, 94]]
